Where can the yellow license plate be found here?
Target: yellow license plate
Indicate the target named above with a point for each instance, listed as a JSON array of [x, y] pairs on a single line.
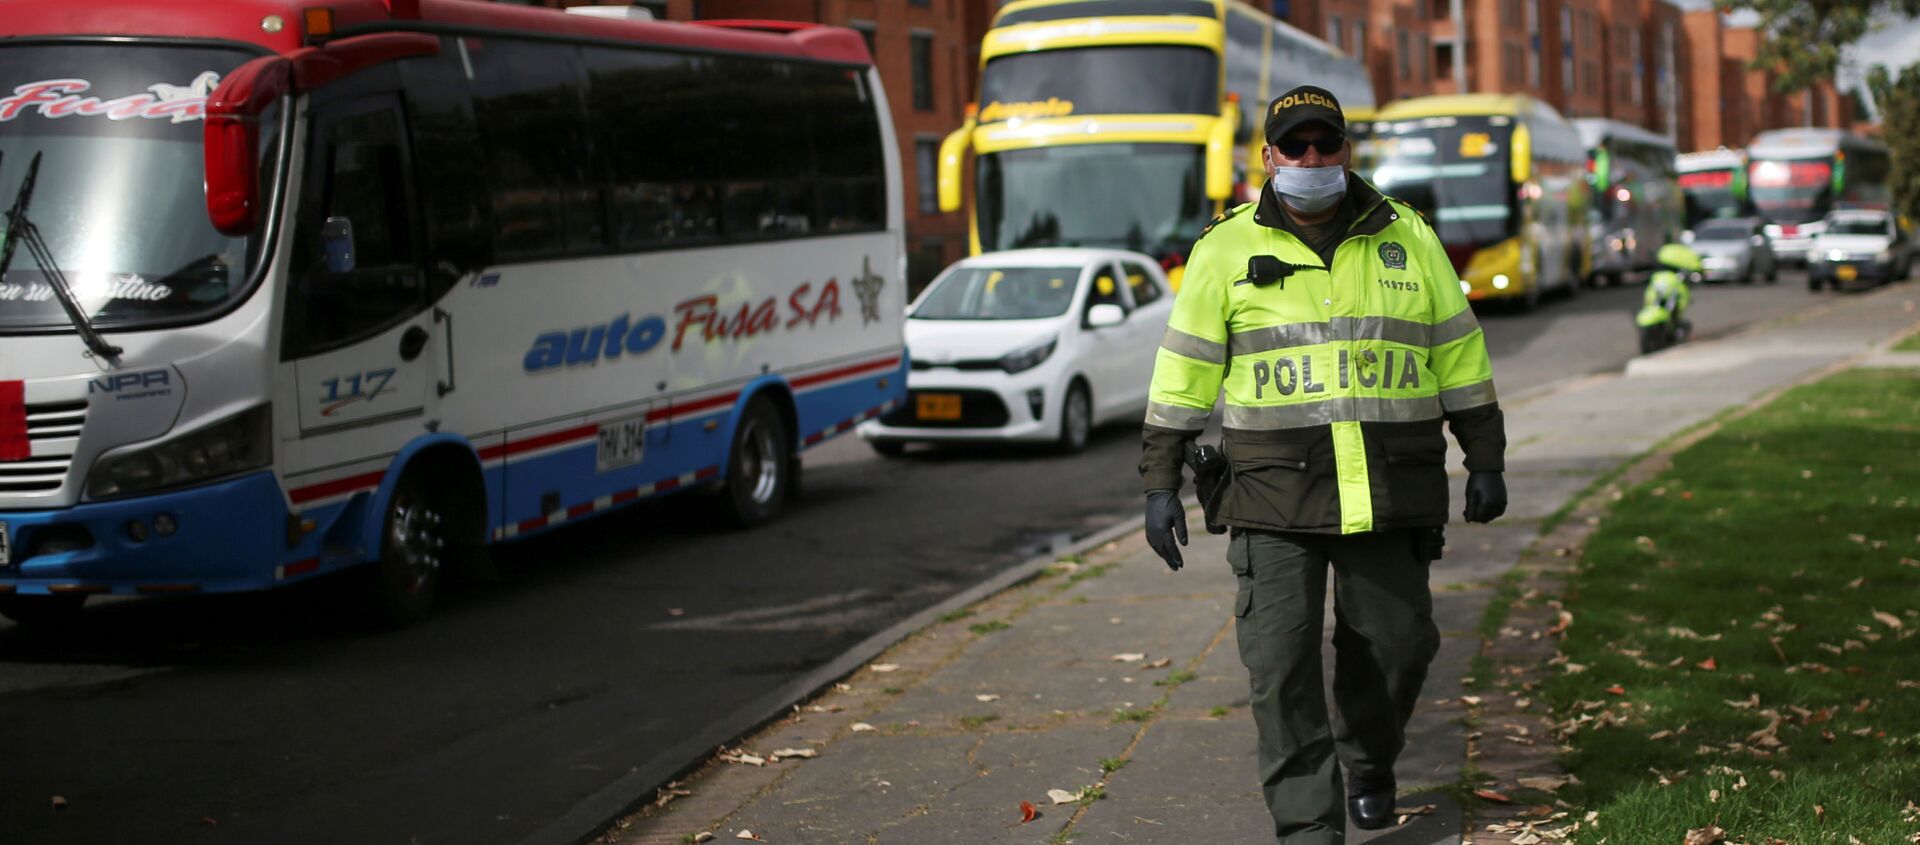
[[1847, 272], [937, 406]]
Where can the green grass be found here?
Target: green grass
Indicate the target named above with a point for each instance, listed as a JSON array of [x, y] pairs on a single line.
[[1217, 711], [1110, 765], [892, 690], [1128, 715], [1911, 343], [988, 627], [1092, 794], [974, 723], [1178, 677], [1796, 522], [955, 615]]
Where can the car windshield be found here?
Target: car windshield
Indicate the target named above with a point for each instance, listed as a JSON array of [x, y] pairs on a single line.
[[1453, 169], [1143, 197], [119, 197], [1723, 230], [1856, 226], [999, 293]]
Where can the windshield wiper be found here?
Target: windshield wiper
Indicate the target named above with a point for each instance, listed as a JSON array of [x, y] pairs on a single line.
[[20, 230]]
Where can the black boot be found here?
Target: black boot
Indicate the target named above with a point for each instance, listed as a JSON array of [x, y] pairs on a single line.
[[1370, 801]]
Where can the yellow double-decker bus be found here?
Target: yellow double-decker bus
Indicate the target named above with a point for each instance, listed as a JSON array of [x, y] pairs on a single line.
[[1125, 123], [1502, 179]]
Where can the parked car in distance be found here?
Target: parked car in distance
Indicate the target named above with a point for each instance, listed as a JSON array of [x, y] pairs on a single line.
[[1032, 345], [1733, 250], [1858, 248]]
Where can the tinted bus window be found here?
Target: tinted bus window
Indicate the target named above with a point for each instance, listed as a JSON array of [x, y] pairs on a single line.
[[1100, 80], [846, 135], [451, 165], [530, 98]]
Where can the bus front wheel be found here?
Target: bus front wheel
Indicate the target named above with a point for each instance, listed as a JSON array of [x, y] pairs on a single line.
[[758, 467], [415, 542]]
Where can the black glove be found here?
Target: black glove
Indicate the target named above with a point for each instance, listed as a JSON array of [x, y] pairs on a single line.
[[1166, 522], [1486, 496]]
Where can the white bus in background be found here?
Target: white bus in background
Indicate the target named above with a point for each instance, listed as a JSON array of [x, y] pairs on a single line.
[[1636, 204], [1796, 176], [1713, 184], [464, 273]]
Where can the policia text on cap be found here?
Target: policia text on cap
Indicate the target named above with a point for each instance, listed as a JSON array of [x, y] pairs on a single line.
[[1334, 321]]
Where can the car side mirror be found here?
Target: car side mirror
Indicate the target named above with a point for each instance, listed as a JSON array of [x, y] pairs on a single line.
[[1105, 315], [336, 244]]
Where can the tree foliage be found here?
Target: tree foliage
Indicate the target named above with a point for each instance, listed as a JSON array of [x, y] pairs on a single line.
[[1899, 99], [1806, 37]]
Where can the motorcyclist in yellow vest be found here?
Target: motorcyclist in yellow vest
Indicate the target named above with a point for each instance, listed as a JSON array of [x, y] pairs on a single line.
[[1333, 319], [1662, 316]]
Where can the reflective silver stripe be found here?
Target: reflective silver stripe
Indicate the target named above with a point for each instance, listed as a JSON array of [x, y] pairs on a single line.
[[1177, 416], [1270, 338], [1275, 338], [1455, 327], [1471, 396], [1349, 409], [1193, 346]]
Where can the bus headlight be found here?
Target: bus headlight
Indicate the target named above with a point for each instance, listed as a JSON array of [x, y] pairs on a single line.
[[234, 445], [1500, 281]]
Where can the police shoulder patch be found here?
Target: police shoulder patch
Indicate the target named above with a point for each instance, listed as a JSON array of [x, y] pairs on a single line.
[[1393, 255]]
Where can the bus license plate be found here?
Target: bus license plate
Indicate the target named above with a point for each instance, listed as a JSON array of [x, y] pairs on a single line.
[[622, 443], [1846, 272], [937, 406]]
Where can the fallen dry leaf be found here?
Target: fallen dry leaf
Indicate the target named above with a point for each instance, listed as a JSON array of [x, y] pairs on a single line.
[[1544, 783], [747, 834], [986, 697], [703, 836], [744, 758], [1470, 700], [1128, 657], [1616, 689], [1888, 619], [1820, 813], [786, 753], [1707, 665], [885, 667], [1706, 836], [1162, 663], [1491, 795], [861, 727], [1061, 796], [1028, 812], [1406, 812]]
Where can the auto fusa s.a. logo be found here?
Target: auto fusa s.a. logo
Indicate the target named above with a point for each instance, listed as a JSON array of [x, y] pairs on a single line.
[[1393, 255]]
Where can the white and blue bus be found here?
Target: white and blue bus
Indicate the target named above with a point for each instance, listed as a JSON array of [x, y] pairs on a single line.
[[1796, 176], [288, 291]]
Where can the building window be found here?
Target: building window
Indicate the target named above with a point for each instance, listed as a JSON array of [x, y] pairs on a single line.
[[1404, 67], [1426, 58], [1334, 33], [1533, 44], [926, 160], [865, 28], [923, 71], [1566, 50], [1360, 40], [1639, 69]]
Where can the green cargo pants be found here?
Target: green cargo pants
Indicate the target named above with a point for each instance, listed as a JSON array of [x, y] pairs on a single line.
[[1383, 639]]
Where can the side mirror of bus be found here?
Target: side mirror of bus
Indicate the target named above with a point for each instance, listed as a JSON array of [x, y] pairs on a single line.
[[1220, 151], [336, 244], [1520, 154], [231, 136], [953, 154]]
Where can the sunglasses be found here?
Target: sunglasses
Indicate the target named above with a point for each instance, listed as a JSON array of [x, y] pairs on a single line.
[[1326, 144]]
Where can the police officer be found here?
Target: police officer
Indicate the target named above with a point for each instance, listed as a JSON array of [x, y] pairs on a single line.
[[1332, 317]]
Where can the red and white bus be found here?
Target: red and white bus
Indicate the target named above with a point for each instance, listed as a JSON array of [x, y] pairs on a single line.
[[291, 288]]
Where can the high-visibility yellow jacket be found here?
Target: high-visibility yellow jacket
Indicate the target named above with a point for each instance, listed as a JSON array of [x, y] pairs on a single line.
[[1337, 379]]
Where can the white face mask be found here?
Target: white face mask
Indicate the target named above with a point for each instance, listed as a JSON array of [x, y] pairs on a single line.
[[1310, 189]]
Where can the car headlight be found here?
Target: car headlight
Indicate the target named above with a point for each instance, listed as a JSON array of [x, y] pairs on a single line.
[[1026, 358], [233, 445], [1836, 255]]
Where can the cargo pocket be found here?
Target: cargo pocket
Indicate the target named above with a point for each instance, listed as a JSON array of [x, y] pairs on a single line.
[[1238, 557], [1416, 477], [1276, 484]]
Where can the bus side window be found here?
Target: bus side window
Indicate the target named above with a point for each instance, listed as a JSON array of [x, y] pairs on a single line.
[[358, 171], [450, 161]]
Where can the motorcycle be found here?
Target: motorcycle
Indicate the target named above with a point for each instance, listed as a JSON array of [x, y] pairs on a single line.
[[1661, 318]]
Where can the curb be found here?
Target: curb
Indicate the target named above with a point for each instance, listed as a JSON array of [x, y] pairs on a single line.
[[591, 816]]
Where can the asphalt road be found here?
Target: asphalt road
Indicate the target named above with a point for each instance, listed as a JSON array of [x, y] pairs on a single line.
[[268, 719]]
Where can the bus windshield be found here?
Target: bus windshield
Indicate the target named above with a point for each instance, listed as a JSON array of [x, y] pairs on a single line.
[[1711, 195], [1100, 80], [119, 197], [1454, 170], [1792, 192], [1000, 293], [1144, 197]]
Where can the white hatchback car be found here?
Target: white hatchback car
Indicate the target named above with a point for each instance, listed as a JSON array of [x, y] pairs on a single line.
[[1033, 345]]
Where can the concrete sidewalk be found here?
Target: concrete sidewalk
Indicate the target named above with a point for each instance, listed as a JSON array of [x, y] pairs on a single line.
[[1111, 678]]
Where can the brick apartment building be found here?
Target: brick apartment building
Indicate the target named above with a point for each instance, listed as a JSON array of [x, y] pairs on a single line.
[[1646, 62], [928, 52]]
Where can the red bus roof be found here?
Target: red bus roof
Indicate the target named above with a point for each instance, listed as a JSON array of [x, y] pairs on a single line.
[[242, 20]]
